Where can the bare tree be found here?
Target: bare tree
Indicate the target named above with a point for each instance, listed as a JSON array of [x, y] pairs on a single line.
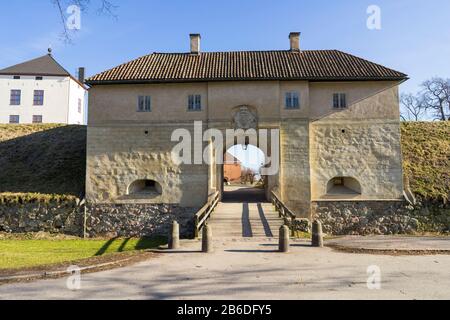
[[413, 107], [105, 7], [436, 97]]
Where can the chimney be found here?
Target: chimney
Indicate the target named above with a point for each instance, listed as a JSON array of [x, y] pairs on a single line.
[[81, 72], [294, 38], [195, 43]]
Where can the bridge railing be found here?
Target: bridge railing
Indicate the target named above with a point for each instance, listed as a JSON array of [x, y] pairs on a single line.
[[282, 209], [203, 215]]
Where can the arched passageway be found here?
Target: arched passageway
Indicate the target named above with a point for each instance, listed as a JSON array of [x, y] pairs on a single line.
[[243, 181]]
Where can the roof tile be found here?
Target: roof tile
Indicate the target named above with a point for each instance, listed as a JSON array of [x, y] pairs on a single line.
[[319, 65]]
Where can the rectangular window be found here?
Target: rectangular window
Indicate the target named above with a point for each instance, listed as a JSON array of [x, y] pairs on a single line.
[[292, 100], [15, 97], [16, 77], [38, 99], [39, 78], [144, 104], [339, 101], [195, 102], [79, 106], [14, 119], [37, 119]]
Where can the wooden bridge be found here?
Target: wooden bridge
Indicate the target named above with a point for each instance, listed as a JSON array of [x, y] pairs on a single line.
[[245, 213]]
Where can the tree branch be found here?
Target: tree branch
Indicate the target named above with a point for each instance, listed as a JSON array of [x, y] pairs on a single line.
[[436, 97]]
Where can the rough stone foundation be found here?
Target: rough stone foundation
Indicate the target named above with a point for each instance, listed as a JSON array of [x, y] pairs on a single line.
[[101, 220], [64, 218], [337, 217], [300, 225], [365, 217], [132, 220]]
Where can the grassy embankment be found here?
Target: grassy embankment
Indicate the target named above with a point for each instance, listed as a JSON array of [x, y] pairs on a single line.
[[426, 159], [42, 163]]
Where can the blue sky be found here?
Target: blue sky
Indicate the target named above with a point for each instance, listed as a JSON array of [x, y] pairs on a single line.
[[415, 34], [251, 157]]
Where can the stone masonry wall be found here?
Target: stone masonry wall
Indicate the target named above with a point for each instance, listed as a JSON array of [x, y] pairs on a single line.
[[365, 217], [295, 169], [118, 155], [133, 220], [338, 218], [370, 152], [64, 218], [101, 220]]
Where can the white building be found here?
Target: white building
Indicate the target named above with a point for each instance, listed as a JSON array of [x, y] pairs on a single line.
[[41, 91]]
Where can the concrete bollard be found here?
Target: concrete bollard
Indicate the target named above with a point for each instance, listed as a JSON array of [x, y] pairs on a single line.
[[207, 240], [317, 235], [284, 239], [174, 237]]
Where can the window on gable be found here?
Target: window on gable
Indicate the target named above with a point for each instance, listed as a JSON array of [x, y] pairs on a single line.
[[195, 102], [15, 97], [144, 104], [79, 106], [38, 98], [37, 119], [339, 101], [14, 119], [292, 100]]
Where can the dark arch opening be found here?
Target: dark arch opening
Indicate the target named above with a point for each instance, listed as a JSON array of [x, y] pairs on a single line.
[[341, 186], [145, 187]]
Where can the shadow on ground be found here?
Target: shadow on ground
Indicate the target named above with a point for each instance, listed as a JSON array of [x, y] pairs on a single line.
[[142, 244], [244, 195]]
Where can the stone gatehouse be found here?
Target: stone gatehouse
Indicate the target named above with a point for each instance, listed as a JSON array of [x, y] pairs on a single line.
[[337, 115]]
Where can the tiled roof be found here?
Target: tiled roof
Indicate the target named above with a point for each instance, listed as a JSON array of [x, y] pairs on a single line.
[[318, 65], [45, 65]]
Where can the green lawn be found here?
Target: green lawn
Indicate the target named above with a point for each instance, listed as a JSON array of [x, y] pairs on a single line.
[[16, 254], [302, 235]]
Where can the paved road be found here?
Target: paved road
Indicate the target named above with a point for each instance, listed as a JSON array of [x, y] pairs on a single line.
[[394, 243], [251, 269]]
